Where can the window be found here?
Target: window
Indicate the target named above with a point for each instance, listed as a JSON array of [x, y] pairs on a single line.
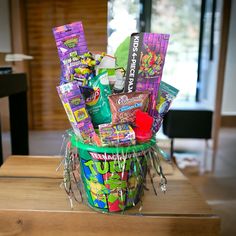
[[179, 18], [123, 20]]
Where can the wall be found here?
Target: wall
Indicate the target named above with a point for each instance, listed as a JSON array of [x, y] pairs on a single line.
[[5, 47], [5, 34], [41, 16], [229, 95]]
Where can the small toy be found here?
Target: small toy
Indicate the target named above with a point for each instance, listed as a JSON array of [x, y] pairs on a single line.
[[84, 67], [143, 126], [124, 105]]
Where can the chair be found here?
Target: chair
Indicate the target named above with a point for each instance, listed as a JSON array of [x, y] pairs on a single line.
[[188, 120]]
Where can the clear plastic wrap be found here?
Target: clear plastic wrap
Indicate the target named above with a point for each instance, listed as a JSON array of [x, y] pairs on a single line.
[[110, 179]]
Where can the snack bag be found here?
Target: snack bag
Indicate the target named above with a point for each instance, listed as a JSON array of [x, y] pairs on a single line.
[[74, 106], [166, 95], [124, 105], [145, 64], [116, 135], [98, 104], [71, 43]]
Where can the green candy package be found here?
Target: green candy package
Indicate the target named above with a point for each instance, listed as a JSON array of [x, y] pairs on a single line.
[[97, 104]]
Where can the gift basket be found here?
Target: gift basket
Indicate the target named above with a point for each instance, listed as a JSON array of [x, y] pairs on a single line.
[[115, 113]]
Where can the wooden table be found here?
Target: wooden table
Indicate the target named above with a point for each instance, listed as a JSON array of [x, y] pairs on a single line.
[[32, 203]]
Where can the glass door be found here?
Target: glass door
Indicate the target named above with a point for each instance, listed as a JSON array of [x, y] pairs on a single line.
[[181, 19]]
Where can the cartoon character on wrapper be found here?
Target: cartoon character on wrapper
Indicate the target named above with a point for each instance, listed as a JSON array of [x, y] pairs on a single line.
[[150, 63], [98, 192], [117, 185]]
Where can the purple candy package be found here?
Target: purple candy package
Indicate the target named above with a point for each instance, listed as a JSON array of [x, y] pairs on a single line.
[[145, 64], [165, 97], [70, 42], [74, 106]]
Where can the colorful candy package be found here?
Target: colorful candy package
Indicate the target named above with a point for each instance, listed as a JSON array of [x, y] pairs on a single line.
[[84, 68], [124, 105], [74, 106], [98, 104], [116, 135], [145, 64], [71, 43], [166, 95]]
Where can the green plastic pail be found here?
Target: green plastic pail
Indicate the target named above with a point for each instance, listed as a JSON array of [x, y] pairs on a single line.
[[113, 177]]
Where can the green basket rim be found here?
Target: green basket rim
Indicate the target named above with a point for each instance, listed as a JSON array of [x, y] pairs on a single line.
[[140, 147]]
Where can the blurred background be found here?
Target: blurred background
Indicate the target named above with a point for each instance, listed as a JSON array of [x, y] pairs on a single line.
[[191, 64], [200, 63]]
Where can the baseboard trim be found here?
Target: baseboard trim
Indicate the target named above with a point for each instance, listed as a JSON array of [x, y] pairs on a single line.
[[228, 121]]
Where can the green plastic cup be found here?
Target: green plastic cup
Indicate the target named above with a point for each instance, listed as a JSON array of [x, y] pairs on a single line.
[[112, 177]]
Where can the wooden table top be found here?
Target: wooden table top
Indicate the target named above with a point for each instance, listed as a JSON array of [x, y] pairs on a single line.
[[32, 185]]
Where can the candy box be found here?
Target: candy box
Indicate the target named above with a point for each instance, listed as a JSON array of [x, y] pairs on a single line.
[[145, 64], [74, 106], [116, 135]]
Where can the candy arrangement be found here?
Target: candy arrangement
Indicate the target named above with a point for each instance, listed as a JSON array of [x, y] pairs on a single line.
[[115, 114]]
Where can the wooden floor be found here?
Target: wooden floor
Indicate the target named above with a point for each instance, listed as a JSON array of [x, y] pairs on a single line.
[[217, 188]]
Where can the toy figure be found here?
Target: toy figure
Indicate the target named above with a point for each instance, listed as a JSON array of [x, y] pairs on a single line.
[[98, 192], [117, 187], [150, 63]]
